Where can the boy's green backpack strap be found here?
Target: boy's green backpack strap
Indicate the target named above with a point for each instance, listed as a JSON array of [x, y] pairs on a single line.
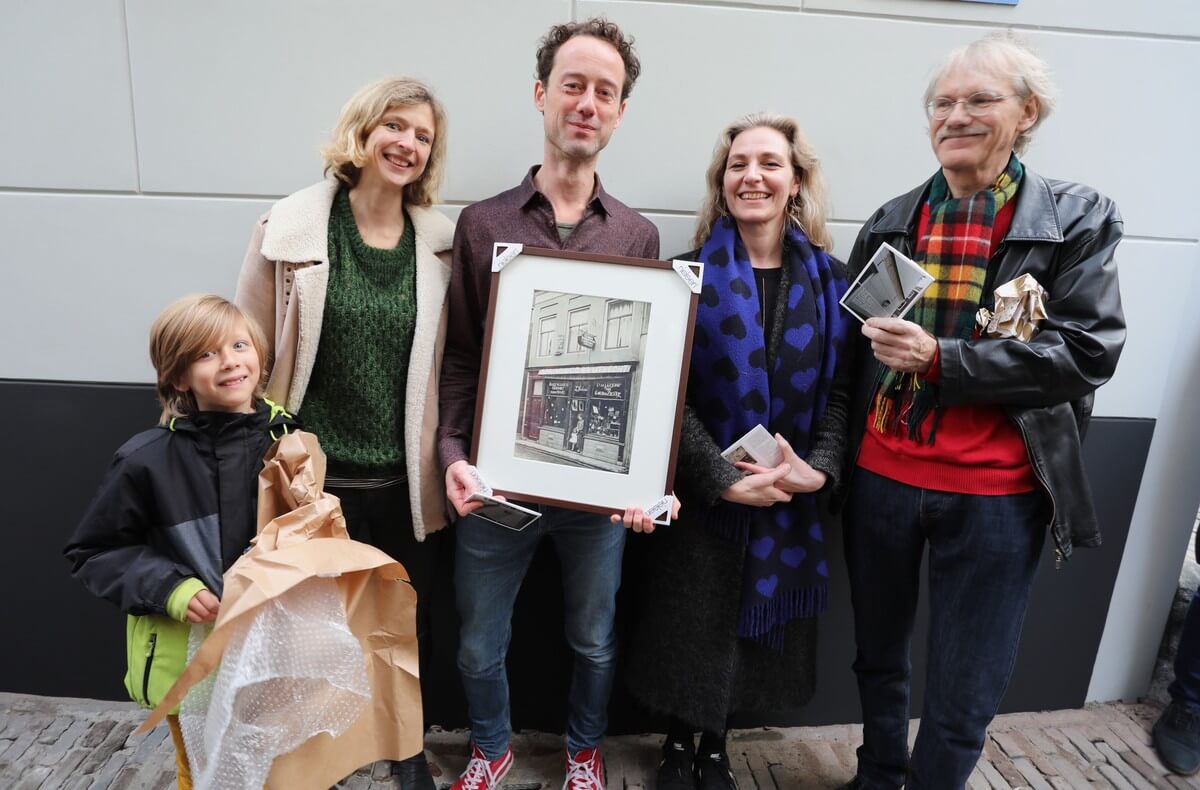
[[280, 420]]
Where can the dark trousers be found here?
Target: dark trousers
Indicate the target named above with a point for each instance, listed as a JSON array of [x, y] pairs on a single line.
[[382, 517], [1185, 689], [983, 551]]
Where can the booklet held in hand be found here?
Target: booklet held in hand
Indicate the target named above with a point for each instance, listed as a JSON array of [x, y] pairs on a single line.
[[887, 287], [757, 446], [502, 512]]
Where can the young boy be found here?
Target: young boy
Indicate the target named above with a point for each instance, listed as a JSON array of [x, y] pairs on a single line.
[[178, 505]]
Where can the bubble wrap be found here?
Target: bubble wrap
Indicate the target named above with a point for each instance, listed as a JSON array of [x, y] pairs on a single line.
[[289, 672]]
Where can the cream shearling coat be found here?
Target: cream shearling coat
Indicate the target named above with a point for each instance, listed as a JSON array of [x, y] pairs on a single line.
[[282, 285]]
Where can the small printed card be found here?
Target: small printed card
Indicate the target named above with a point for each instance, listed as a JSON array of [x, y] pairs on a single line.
[[757, 446], [887, 287]]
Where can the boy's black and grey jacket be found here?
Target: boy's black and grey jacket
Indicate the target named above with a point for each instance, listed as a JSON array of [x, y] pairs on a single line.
[[178, 501]]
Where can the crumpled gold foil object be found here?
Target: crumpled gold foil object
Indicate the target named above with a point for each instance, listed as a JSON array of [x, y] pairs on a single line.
[[1019, 307]]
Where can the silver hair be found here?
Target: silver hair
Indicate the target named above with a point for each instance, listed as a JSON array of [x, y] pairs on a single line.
[[1010, 56]]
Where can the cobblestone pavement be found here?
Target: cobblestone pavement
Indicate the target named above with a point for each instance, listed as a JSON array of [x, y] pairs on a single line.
[[50, 743]]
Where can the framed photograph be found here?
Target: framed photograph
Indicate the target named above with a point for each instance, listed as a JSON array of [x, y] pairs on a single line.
[[581, 388]]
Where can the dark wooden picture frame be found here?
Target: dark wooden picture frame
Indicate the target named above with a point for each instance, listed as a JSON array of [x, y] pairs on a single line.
[[583, 376]]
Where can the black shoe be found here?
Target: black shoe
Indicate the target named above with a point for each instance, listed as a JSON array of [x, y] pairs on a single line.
[[1176, 737], [713, 772], [413, 773], [675, 770]]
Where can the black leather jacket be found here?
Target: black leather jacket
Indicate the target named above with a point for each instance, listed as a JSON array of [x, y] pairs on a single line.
[[1063, 234]]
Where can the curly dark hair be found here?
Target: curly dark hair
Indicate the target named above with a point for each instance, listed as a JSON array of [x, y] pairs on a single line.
[[600, 28]]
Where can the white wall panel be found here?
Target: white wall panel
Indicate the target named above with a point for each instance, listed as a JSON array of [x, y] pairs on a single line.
[[1162, 521], [704, 66], [674, 232], [237, 97], [95, 270], [844, 234], [789, 5], [1123, 126], [1155, 292], [1169, 17], [65, 97]]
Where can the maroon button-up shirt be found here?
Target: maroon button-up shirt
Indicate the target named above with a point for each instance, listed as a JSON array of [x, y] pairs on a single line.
[[520, 215]]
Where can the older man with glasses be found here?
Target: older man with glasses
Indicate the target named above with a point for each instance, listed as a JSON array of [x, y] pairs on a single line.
[[964, 439]]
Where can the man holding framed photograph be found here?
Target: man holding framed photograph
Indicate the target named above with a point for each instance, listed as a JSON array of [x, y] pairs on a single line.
[[585, 72]]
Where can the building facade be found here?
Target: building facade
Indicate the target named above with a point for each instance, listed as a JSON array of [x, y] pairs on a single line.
[[582, 375]]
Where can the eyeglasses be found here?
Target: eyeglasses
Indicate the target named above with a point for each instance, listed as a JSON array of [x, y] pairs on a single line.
[[977, 104]]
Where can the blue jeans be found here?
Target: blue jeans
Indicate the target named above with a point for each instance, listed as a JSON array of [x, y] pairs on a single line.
[[983, 551], [489, 568], [1185, 689]]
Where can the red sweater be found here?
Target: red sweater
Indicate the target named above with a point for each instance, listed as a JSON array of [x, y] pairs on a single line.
[[977, 449]]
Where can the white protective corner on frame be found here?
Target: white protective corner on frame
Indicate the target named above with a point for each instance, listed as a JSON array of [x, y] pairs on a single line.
[[684, 270], [660, 511], [503, 253]]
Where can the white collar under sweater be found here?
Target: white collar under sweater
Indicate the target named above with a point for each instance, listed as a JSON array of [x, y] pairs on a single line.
[[298, 231]]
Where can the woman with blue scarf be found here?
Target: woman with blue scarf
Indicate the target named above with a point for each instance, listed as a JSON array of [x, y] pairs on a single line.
[[731, 592]]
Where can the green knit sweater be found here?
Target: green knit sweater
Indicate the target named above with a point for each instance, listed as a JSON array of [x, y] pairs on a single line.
[[355, 398]]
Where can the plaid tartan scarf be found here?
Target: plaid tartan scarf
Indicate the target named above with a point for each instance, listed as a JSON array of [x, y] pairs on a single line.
[[955, 252]]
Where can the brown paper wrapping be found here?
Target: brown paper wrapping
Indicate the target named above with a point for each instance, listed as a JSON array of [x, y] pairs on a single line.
[[301, 534], [1019, 307]]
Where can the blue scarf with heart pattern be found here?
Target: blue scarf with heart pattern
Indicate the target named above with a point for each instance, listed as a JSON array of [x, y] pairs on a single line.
[[732, 390]]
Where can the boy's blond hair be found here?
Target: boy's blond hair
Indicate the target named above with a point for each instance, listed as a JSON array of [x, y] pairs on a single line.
[[181, 332]]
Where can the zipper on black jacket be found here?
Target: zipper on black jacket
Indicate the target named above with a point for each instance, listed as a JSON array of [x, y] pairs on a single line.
[[1060, 556], [146, 671]]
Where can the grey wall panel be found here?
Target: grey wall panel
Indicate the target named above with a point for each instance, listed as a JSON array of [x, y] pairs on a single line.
[[237, 97], [87, 241], [1170, 17], [672, 121], [88, 273], [1155, 292], [844, 234], [59, 440], [862, 107], [674, 232], [68, 122], [1110, 130], [1162, 522]]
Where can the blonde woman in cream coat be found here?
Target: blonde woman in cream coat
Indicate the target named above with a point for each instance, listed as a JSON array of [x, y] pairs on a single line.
[[348, 279]]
